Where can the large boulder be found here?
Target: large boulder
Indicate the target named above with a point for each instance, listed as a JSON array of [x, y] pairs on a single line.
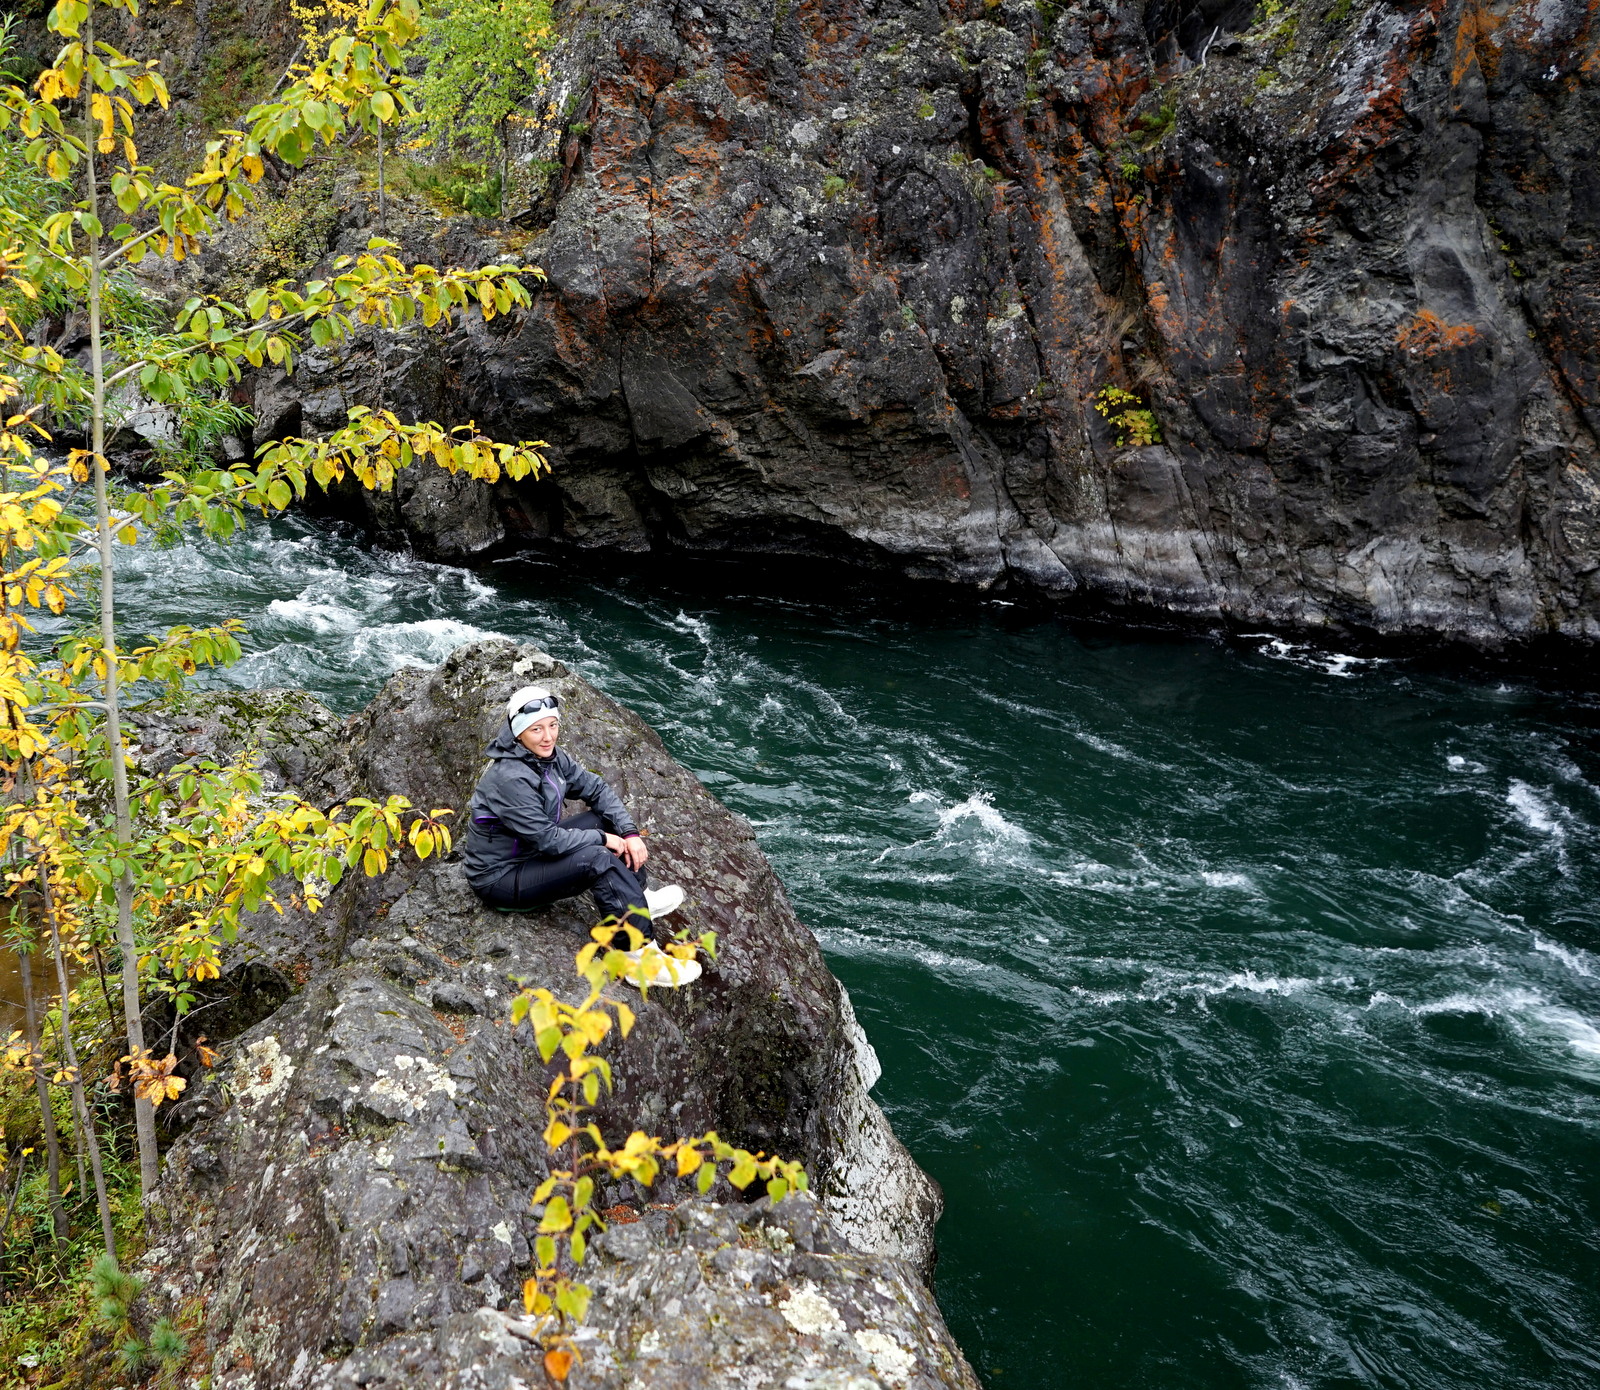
[[350, 1192]]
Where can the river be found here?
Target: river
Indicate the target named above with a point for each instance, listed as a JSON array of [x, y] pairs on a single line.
[[1244, 998]]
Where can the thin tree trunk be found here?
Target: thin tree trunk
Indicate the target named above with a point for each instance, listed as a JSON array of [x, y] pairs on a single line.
[[143, 1112], [77, 1145], [85, 1123], [47, 1114], [505, 164], [5, 1230], [383, 202]]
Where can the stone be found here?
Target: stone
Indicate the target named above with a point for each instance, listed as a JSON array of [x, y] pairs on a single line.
[[350, 1185]]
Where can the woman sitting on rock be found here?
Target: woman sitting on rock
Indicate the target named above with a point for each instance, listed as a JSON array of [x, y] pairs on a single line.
[[520, 853]]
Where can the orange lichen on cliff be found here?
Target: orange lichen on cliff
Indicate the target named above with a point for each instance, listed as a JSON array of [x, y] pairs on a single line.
[[1428, 334], [1475, 43]]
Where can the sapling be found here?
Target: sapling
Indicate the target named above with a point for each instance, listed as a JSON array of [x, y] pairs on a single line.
[[565, 1199], [179, 858]]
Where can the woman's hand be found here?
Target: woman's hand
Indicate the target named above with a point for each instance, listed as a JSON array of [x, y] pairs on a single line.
[[631, 851]]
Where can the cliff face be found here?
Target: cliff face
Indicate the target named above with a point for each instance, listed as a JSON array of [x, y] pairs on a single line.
[[844, 280], [347, 1193]]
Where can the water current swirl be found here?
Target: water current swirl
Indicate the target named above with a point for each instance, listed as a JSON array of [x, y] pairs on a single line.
[[1245, 1002]]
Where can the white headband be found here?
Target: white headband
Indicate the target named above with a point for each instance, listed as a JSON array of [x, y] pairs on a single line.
[[527, 707]]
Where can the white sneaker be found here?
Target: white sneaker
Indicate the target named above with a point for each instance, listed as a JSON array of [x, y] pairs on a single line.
[[661, 901], [670, 972]]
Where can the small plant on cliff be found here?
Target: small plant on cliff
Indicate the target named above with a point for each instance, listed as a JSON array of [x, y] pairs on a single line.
[[114, 1292], [1134, 422], [1155, 126], [565, 1199], [95, 850]]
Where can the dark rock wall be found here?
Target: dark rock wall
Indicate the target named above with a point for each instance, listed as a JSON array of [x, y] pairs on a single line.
[[844, 280]]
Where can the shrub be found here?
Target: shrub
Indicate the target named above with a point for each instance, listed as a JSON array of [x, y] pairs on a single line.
[[1134, 422]]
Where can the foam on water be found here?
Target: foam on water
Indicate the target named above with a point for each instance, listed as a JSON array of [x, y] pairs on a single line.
[[1533, 811], [1578, 961], [1312, 658], [318, 618]]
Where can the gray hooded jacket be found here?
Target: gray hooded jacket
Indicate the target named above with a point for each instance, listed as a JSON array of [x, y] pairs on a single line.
[[515, 811]]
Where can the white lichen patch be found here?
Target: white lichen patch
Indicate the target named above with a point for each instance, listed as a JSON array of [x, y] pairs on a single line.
[[261, 1071], [419, 1080], [501, 1232], [889, 1359], [808, 1312], [437, 1077]]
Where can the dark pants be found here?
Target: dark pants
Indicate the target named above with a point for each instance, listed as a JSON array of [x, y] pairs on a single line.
[[535, 882]]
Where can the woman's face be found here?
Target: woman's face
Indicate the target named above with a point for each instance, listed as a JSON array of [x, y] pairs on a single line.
[[540, 739]]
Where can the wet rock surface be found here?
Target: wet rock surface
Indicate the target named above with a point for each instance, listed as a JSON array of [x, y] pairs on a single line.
[[827, 280], [349, 1196]]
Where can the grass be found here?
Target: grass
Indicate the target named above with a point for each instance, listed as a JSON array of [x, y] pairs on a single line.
[[234, 74], [49, 1335], [289, 235], [457, 188]]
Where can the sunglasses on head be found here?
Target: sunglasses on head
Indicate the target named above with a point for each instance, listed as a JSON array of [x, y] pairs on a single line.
[[544, 702]]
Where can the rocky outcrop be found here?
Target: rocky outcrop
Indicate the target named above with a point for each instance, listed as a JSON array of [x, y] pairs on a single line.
[[843, 281], [349, 1197], [708, 1296]]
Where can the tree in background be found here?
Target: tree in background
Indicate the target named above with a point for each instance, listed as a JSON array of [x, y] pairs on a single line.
[[380, 89], [95, 849], [483, 60]]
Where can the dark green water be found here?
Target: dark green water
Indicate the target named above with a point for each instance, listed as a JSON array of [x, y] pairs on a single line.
[[1246, 1003]]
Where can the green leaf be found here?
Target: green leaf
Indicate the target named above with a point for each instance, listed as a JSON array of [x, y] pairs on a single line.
[[708, 1175], [544, 1250], [294, 147], [557, 1215]]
